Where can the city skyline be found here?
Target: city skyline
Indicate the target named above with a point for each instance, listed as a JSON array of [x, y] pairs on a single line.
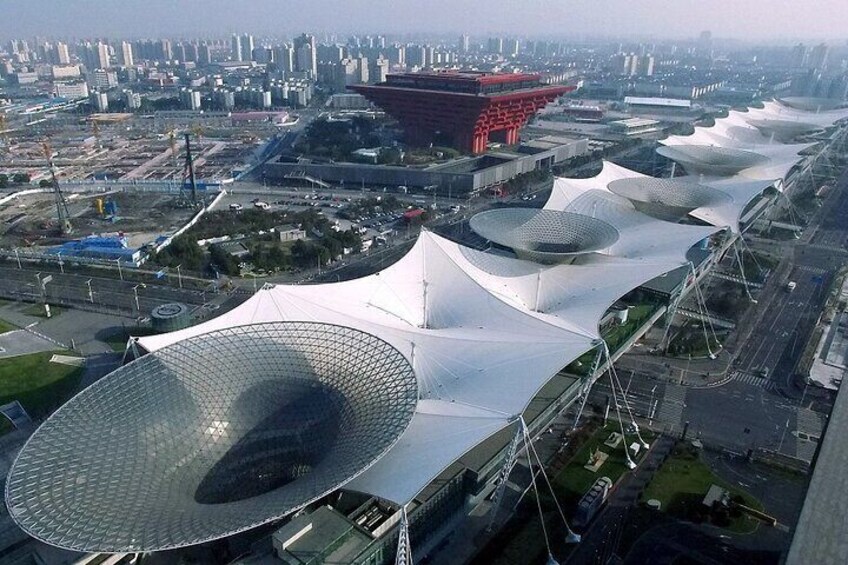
[[758, 20]]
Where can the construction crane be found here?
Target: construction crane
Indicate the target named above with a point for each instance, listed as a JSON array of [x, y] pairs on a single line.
[[172, 141], [188, 177], [63, 217]]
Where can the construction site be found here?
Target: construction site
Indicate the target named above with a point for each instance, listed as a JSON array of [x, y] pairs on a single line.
[[109, 187], [127, 148]]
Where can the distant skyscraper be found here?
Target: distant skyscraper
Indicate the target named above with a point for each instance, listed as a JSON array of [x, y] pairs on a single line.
[[284, 58], [62, 55], [397, 55], [345, 74], [166, 51], [510, 47], [127, 54], [798, 57], [102, 56], [416, 55], [247, 47], [495, 45], [204, 54], [191, 52], [306, 54], [464, 43], [705, 43], [235, 47], [818, 57], [362, 70], [378, 70]]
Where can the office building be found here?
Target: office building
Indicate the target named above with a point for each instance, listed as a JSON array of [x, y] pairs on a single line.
[[71, 90]]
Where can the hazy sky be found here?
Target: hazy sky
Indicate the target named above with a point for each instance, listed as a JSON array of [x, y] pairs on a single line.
[[754, 19]]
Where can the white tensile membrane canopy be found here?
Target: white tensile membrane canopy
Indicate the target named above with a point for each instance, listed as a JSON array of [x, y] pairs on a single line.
[[642, 237], [573, 296], [478, 359], [460, 316]]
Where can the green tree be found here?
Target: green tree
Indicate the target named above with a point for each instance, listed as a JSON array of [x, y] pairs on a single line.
[[4, 181], [225, 262], [184, 251], [21, 178]]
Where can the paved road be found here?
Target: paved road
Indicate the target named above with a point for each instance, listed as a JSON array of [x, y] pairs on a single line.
[[107, 294]]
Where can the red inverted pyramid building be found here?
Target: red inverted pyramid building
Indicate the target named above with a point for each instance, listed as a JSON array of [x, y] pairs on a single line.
[[466, 106]]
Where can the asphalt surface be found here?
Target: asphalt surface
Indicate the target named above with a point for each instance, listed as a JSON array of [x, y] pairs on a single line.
[[107, 294]]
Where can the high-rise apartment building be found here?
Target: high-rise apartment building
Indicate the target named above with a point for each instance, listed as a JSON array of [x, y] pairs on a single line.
[[235, 47], [204, 54], [306, 54], [127, 54], [61, 54], [284, 58], [101, 56], [247, 47]]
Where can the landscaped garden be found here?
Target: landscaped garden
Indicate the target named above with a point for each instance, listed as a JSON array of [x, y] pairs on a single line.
[[39, 385], [681, 485]]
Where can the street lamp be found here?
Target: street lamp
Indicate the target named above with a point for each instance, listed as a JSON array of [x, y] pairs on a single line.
[[90, 294], [135, 295], [179, 276]]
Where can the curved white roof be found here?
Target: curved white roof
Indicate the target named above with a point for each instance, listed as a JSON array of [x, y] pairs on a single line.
[[459, 316]]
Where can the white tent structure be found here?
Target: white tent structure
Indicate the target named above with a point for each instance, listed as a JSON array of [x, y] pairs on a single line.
[[460, 338], [460, 316]]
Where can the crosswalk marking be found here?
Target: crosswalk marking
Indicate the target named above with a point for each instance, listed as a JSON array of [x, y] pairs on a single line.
[[754, 380], [811, 269], [672, 404]]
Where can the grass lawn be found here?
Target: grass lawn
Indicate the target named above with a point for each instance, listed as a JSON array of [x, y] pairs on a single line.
[[683, 481], [6, 327], [574, 480], [39, 385], [521, 540], [118, 339], [616, 335], [38, 310]]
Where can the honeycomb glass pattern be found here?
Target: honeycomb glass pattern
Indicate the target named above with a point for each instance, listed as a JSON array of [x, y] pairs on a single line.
[[544, 235], [711, 159], [211, 436], [668, 192]]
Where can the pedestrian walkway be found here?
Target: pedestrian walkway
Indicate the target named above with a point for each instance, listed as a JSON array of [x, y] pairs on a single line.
[[672, 405], [811, 269], [753, 380], [810, 426]]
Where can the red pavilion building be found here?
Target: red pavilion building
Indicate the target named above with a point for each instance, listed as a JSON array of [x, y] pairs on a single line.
[[466, 106]]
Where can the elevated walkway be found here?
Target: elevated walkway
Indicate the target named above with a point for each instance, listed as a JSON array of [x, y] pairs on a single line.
[[716, 321]]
